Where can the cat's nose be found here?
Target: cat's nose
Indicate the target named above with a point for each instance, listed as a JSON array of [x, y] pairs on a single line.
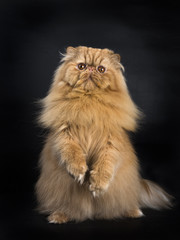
[[91, 68]]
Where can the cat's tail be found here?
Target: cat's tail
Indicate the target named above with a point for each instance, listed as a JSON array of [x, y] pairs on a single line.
[[154, 196]]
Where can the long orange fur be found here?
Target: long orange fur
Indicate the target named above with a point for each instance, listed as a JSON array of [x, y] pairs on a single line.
[[89, 169]]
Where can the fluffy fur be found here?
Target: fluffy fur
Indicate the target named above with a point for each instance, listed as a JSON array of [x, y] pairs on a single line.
[[88, 166]]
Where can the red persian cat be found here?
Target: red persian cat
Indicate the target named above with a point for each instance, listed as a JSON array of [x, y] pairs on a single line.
[[89, 169]]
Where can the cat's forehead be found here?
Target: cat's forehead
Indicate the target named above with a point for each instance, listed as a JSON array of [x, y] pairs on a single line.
[[92, 56]]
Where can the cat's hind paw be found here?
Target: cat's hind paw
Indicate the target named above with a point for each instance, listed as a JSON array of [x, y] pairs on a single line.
[[136, 213], [57, 218]]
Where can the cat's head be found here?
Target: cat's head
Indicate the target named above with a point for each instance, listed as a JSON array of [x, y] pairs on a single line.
[[88, 69]]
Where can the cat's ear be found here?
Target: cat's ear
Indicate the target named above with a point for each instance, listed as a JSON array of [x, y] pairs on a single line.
[[70, 53], [117, 57], [70, 50]]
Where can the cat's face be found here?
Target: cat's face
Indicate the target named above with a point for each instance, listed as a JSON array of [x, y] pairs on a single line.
[[91, 68]]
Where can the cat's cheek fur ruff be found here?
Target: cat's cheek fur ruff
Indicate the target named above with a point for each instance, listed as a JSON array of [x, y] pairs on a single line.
[[89, 169]]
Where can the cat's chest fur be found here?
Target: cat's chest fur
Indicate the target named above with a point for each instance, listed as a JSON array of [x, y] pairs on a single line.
[[90, 122], [89, 111]]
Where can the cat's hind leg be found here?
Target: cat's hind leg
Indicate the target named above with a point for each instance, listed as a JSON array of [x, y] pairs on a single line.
[[58, 218]]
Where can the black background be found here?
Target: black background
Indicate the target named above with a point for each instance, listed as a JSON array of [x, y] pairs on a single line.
[[146, 35]]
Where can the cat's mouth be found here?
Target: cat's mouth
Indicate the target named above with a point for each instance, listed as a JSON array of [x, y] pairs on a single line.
[[86, 82], [89, 77]]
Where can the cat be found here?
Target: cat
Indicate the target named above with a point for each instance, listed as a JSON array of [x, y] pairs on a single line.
[[89, 169]]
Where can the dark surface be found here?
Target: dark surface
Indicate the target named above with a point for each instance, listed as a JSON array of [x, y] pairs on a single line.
[[146, 35]]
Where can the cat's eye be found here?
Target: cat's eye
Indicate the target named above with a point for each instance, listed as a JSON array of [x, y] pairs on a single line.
[[81, 66], [101, 69]]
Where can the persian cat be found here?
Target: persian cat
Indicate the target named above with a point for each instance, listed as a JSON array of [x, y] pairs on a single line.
[[89, 169]]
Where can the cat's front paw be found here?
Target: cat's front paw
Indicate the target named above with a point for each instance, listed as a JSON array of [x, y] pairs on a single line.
[[77, 171], [98, 184]]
